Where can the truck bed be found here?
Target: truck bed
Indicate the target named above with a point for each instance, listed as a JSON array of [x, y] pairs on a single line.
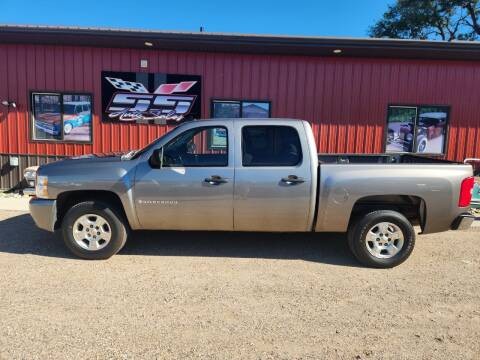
[[380, 159], [347, 181]]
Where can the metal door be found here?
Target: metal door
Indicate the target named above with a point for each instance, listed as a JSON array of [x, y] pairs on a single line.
[[270, 195], [188, 197]]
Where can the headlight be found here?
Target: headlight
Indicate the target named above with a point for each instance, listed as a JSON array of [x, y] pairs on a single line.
[[41, 186], [29, 175]]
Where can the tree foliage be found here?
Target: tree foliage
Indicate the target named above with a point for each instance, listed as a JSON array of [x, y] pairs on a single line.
[[430, 19]]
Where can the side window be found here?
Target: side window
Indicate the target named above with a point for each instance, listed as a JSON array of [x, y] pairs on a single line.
[[193, 148], [270, 146]]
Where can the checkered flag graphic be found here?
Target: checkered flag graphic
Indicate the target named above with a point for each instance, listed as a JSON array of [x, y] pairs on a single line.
[[127, 85]]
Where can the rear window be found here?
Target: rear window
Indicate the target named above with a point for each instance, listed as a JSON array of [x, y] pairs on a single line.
[[270, 146]]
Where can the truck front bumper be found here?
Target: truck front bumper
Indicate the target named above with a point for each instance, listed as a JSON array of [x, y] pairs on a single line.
[[463, 222], [44, 213]]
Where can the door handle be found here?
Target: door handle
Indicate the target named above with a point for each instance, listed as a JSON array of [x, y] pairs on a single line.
[[293, 180], [215, 180]]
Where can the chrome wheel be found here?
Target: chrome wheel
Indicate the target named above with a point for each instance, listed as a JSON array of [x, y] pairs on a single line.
[[384, 240], [422, 145], [67, 128], [92, 232]]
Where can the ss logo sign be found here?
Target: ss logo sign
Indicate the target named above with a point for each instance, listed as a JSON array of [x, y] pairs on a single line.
[[134, 107]]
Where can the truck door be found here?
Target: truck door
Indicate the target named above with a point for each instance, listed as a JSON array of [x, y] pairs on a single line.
[[272, 177], [193, 188]]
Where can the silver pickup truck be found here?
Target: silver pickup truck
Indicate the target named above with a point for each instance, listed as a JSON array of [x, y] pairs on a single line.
[[251, 175]]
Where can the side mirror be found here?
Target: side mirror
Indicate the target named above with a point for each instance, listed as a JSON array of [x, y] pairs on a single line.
[[156, 160]]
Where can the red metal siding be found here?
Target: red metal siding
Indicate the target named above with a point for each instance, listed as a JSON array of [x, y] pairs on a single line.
[[345, 99]]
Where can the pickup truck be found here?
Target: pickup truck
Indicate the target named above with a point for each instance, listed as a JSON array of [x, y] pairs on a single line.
[[251, 175]]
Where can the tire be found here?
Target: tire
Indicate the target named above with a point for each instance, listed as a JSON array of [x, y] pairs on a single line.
[[385, 251], [391, 135], [67, 128], [84, 221], [422, 144]]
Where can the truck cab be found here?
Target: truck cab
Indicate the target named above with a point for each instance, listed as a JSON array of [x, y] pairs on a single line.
[[251, 177]]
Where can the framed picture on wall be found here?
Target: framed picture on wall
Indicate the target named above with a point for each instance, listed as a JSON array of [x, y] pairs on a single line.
[[61, 117], [256, 109], [417, 129], [400, 128], [226, 109], [240, 109]]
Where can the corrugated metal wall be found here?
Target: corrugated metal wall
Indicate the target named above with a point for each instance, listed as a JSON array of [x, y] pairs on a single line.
[[344, 98]]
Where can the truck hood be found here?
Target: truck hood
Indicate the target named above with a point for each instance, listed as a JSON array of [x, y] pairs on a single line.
[[85, 162], [97, 158], [107, 173]]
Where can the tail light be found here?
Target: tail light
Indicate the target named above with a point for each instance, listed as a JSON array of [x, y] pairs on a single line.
[[466, 192]]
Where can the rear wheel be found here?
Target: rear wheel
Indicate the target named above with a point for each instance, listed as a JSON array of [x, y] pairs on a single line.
[[94, 230], [381, 239]]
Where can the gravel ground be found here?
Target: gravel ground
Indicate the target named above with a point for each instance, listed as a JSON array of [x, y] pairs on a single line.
[[6, 195], [228, 296]]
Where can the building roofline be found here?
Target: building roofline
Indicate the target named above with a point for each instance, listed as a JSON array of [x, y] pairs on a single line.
[[240, 43]]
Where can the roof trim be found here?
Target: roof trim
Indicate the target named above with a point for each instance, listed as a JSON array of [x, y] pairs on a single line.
[[240, 43]]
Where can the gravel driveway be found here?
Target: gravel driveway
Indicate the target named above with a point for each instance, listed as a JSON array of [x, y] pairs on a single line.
[[227, 296]]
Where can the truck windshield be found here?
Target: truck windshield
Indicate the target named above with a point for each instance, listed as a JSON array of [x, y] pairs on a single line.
[[69, 109], [137, 153]]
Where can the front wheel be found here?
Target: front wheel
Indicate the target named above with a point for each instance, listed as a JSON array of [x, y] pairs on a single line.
[[94, 230], [382, 239], [67, 128], [422, 144]]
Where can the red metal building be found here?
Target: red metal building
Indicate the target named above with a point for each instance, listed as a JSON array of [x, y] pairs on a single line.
[[360, 95]]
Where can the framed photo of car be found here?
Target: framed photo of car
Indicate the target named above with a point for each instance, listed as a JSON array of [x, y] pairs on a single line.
[[417, 129], [77, 117], [61, 117], [431, 129], [401, 127], [47, 116]]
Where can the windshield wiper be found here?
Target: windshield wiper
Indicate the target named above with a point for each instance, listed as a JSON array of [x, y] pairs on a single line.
[[129, 155]]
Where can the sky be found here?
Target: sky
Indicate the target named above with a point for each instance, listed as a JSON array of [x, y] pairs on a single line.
[[350, 18]]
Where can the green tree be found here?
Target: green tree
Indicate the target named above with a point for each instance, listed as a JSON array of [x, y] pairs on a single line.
[[430, 19]]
